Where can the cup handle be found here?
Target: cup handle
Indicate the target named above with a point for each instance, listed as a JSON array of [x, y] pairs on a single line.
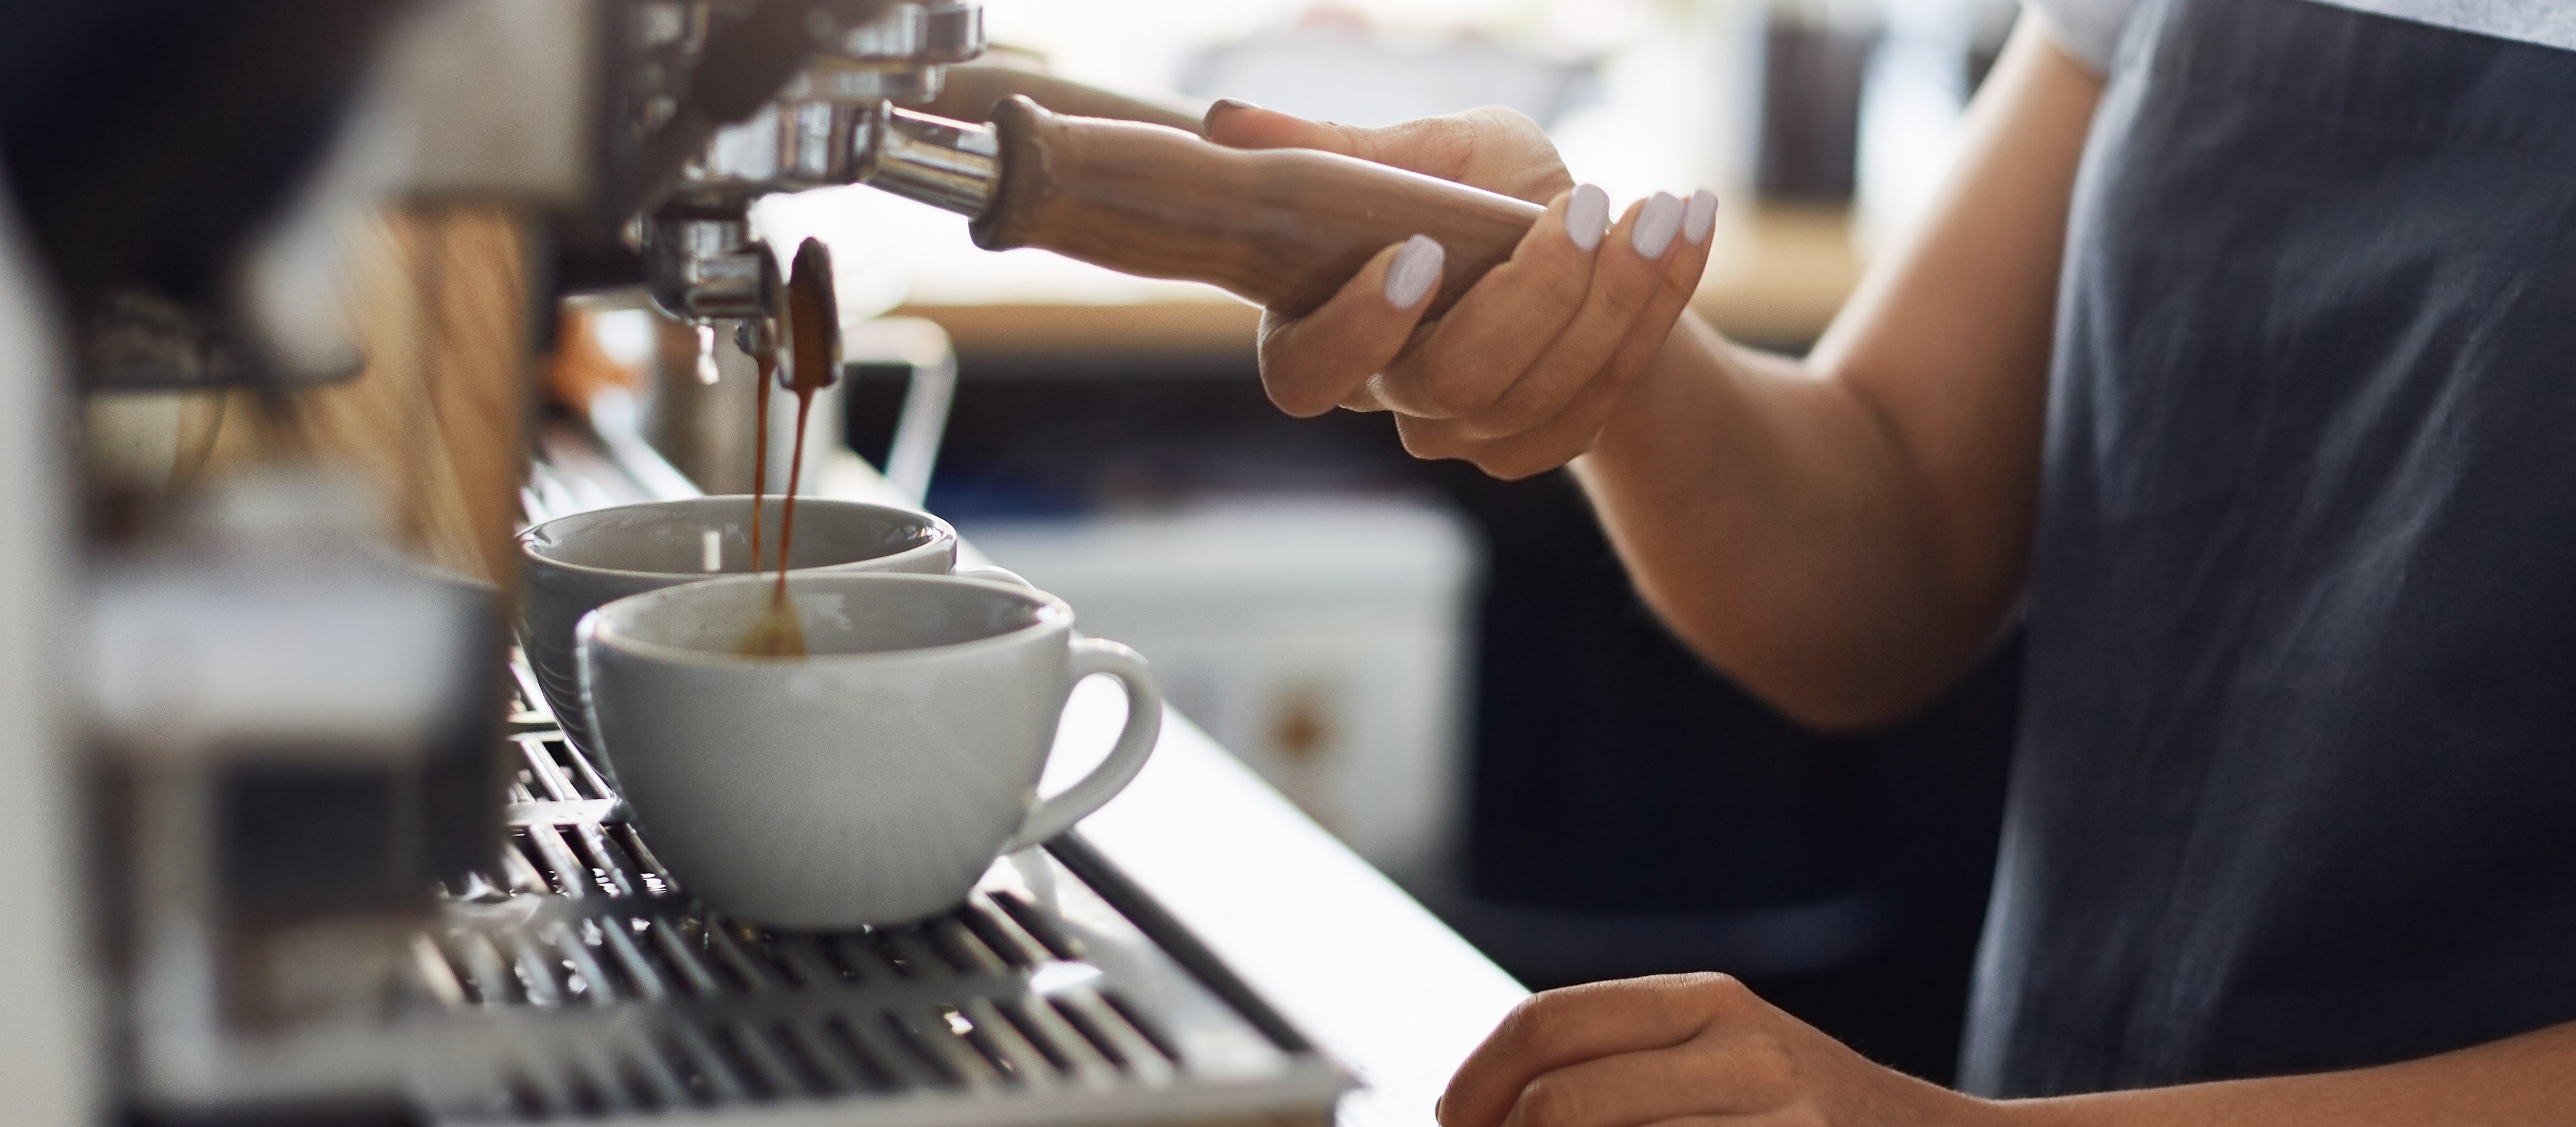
[[986, 571], [1144, 725]]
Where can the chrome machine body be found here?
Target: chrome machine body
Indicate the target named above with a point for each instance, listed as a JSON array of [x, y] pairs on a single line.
[[249, 793]]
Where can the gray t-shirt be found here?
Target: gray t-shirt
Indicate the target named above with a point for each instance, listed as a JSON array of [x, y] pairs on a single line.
[[2091, 28]]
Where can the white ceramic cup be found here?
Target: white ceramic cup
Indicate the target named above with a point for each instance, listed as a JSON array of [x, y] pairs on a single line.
[[872, 781], [575, 564]]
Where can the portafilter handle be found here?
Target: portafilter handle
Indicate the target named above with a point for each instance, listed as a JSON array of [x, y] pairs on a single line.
[[1283, 228]]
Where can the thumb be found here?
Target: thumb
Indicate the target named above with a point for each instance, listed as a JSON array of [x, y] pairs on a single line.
[[1313, 363], [1243, 125]]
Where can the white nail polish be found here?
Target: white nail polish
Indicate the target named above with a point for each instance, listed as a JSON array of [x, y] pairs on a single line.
[[1701, 218], [1657, 225], [1415, 270], [1586, 216]]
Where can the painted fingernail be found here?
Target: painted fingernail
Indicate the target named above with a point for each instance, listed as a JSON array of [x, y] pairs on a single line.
[[1657, 224], [1586, 215], [1701, 218], [1415, 270]]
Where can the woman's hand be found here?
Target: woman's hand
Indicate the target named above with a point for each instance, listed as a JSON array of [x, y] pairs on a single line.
[[1522, 373], [1694, 1048]]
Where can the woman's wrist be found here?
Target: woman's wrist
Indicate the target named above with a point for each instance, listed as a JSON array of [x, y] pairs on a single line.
[[1925, 1104], [1648, 405]]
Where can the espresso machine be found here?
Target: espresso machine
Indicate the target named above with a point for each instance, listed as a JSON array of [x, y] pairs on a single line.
[[288, 835]]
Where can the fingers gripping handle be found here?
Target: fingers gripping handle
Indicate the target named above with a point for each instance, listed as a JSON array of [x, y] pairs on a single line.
[[1144, 726]]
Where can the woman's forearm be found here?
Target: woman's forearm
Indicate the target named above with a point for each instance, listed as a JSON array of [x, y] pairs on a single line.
[[1772, 519], [1844, 534], [2530, 1079]]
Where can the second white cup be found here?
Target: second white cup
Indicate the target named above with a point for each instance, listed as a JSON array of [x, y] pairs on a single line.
[[575, 564]]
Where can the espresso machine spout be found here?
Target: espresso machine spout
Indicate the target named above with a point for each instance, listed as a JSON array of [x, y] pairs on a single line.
[[819, 129]]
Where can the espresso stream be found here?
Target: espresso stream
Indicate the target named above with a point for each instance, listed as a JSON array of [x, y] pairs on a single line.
[[768, 362], [812, 321]]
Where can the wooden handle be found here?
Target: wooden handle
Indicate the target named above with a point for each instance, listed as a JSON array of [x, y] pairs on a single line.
[[1283, 228]]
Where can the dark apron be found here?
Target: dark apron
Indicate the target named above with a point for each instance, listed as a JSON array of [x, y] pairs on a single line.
[[2296, 786]]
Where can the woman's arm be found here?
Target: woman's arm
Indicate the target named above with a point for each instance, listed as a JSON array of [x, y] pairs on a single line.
[[1702, 1049], [1843, 535], [2530, 1079]]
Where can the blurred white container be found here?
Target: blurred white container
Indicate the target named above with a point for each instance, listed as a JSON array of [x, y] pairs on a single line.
[[1323, 640]]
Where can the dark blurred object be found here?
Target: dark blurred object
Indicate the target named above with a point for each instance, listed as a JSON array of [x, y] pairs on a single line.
[[1807, 148], [156, 149], [148, 143], [146, 140]]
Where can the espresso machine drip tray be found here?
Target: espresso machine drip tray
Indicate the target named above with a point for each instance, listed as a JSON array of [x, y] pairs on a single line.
[[580, 981]]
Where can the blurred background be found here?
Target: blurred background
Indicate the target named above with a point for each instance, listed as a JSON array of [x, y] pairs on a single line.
[[1452, 673]]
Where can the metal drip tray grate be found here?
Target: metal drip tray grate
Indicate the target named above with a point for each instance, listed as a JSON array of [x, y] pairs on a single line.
[[581, 981]]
